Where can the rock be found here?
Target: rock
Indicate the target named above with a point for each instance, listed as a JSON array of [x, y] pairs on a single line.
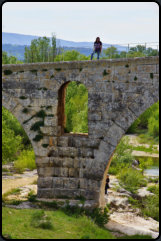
[[131, 224], [143, 192], [135, 162], [23, 205]]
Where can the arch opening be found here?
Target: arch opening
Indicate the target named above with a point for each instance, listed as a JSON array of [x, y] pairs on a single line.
[[73, 108], [16, 145], [146, 126]]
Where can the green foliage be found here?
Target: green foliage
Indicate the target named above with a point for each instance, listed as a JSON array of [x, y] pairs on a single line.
[[100, 216], [154, 189], [26, 159], [151, 207], [71, 56], [50, 205], [122, 157], [76, 108], [137, 236], [41, 220], [149, 120], [153, 123], [9, 59], [31, 196], [41, 50], [144, 163], [11, 136], [131, 179]]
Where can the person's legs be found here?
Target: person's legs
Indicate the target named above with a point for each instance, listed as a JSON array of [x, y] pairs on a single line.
[[92, 55], [98, 54]]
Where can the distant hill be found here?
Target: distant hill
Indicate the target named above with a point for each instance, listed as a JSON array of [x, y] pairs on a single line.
[[19, 50], [14, 44], [22, 39]]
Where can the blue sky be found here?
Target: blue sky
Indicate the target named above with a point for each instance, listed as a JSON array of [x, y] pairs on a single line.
[[114, 22]]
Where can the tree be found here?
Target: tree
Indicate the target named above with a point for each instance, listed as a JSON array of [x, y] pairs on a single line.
[[111, 52], [9, 59]]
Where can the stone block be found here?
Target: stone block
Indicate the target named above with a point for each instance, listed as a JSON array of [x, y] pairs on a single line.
[[73, 172], [64, 172], [114, 135], [67, 152], [63, 141], [70, 183], [56, 161], [45, 171], [68, 162], [95, 116], [50, 121], [45, 193], [42, 161], [46, 182], [49, 130], [57, 182], [63, 193]]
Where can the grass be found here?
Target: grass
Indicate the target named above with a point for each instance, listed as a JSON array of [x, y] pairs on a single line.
[[137, 236], [64, 227], [144, 137], [145, 149], [26, 159]]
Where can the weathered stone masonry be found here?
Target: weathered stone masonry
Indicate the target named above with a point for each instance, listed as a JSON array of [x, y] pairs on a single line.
[[118, 92]]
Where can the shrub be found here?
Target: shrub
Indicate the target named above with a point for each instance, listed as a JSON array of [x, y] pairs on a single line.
[[131, 179], [151, 207], [122, 157], [26, 159], [100, 216], [154, 189], [41, 220], [31, 196]]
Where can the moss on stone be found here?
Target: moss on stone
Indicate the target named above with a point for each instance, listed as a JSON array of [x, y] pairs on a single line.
[[45, 145], [22, 97], [7, 72], [25, 110], [151, 75], [41, 114], [38, 137], [48, 107], [105, 72], [34, 71], [36, 125]]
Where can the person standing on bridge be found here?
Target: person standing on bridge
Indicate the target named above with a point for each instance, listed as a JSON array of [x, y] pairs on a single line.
[[97, 48]]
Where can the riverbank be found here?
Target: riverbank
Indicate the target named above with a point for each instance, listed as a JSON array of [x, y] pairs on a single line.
[[124, 217]]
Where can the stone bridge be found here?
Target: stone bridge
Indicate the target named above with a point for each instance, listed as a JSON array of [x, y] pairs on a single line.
[[75, 165]]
